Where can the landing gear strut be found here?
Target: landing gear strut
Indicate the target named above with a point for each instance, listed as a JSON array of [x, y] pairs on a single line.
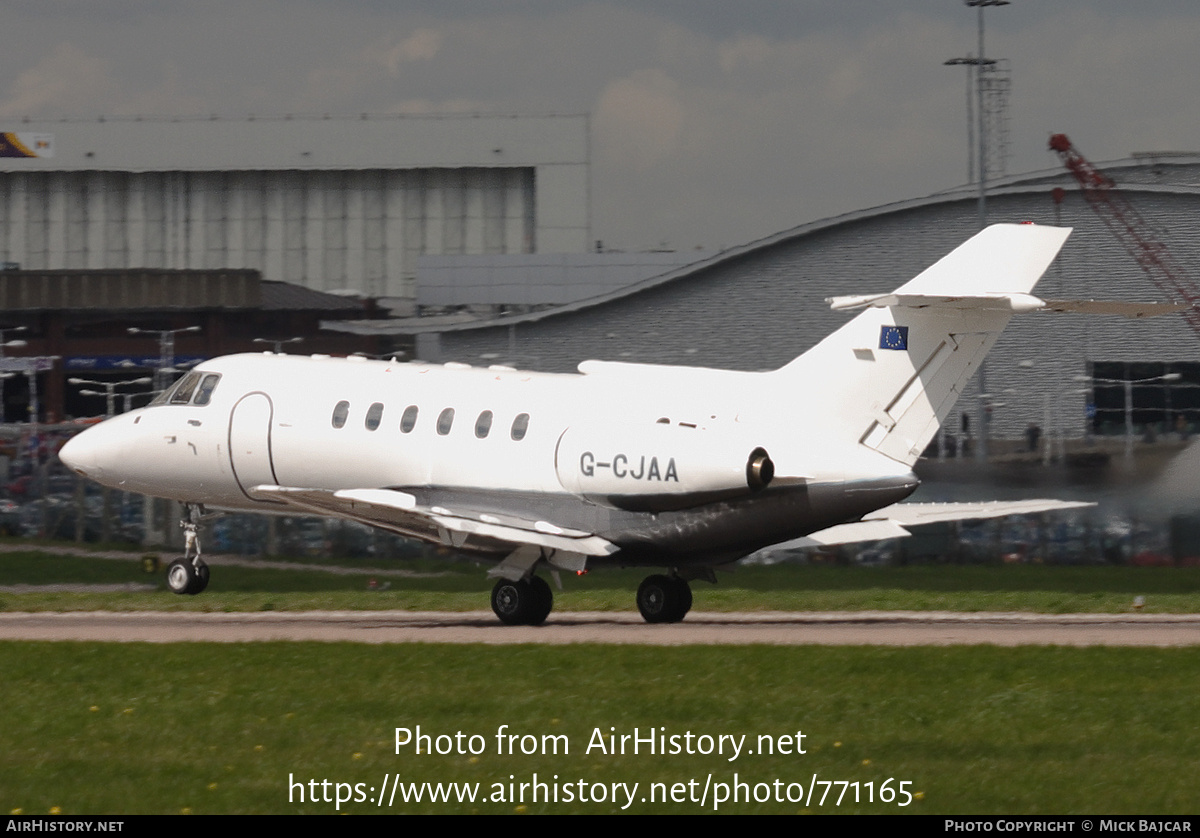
[[525, 602], [664, 599], [189, 574]]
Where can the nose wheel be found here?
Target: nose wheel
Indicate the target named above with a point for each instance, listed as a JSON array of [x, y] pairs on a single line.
[[189, 574], [664, 599]]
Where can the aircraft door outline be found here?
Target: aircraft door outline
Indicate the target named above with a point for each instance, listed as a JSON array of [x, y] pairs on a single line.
[[250, 457]]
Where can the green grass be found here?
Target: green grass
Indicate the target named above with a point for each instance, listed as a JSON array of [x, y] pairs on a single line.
[[212, 728], [461, 586]]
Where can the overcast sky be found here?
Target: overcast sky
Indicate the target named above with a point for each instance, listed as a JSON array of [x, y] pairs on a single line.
[[713, 122]]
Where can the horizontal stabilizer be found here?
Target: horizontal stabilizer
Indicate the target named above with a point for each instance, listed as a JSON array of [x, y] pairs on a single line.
[[1117, 307], [1016, 303]]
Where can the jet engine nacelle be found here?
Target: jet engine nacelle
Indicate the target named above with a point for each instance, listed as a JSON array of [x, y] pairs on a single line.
[[660, 467]]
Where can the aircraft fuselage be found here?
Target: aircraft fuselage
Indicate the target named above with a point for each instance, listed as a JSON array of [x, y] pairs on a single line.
[[658, 470]]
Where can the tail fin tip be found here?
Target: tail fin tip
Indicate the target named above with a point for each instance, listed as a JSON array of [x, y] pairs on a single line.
[[1000, 259]]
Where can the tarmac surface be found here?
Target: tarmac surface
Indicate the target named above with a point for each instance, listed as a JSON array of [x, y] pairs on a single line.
[[881, 628], [700, 628]]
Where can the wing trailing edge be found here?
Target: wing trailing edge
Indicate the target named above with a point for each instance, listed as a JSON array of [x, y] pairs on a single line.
[[400, 512], [893, 521]]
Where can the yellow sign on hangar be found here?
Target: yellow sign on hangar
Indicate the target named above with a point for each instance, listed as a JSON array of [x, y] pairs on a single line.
[[26, 144]]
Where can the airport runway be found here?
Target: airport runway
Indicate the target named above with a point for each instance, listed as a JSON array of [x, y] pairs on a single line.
[[775, 628]]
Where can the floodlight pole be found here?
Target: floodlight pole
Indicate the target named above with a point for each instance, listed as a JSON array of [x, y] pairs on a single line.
[[166, 351], [979, 62]]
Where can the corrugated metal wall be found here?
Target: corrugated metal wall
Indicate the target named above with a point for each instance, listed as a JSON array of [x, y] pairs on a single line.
[[761, 310], [325, 230]]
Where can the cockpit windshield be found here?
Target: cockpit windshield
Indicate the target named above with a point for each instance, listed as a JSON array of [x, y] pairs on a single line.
[[194, 388]]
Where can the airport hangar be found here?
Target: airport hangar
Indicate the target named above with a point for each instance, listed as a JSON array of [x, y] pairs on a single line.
[[757, 306], [243, 227], [389, 208], [331, 204]]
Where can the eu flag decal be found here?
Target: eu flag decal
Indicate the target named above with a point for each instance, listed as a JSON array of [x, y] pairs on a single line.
[[893, 337]]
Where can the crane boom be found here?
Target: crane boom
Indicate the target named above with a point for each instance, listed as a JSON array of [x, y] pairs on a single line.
[[1129, 228]]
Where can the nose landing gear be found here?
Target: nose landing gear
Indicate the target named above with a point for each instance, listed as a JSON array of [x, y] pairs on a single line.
[[189, 574]]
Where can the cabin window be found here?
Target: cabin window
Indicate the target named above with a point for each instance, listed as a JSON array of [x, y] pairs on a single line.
[[445, 420], [204, 394], [340, 411], [519, 426], [374, 416], [409, 420], [183, 392], [483, 425]]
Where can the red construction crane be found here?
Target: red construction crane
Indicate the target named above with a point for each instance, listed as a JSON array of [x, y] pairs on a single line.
[[1130, 229]]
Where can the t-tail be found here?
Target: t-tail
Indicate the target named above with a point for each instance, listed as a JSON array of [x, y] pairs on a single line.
[[892, 375]]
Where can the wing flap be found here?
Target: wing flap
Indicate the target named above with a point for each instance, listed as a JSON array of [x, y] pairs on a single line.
[[848, 534], [400, 512]]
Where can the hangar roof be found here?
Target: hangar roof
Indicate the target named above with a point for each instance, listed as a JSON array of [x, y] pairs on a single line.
[[1166, 172], [142, 144], [132, 289]]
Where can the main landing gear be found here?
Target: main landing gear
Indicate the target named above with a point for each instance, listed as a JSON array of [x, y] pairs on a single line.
[[525, 602], [664, 599], [189, 574]]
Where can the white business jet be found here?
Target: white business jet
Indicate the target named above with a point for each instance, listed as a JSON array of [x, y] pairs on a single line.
[[568, 472]]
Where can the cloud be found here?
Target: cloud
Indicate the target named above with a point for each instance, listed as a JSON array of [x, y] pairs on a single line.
[[744, 50], [421, 45], [68, 80], [639, 119], [358, 70]]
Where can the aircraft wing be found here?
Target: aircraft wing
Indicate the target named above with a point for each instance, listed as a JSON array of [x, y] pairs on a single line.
[[916, 514], [891, 521], [399, 512]]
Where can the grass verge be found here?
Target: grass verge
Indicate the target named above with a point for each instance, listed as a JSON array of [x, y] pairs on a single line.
[[459, 586], [208, 728]]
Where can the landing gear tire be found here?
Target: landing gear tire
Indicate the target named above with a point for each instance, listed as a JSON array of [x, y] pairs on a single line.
[[181, 576], [186, 577], [685, 597], [664, 599], [522, 603], [510, 601], [543, 601], [202, 574]]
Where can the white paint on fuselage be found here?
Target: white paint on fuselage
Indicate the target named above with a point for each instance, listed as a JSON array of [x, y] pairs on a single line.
[[183, 451]]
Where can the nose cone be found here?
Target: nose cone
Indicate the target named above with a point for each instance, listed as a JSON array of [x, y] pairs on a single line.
[[80, 455], [93, 452]]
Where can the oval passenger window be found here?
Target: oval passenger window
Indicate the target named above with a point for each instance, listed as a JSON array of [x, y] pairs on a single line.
[[519, 426], [340, 411]]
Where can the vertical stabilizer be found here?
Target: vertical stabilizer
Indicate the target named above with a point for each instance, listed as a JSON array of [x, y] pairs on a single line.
[[893, 374]]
